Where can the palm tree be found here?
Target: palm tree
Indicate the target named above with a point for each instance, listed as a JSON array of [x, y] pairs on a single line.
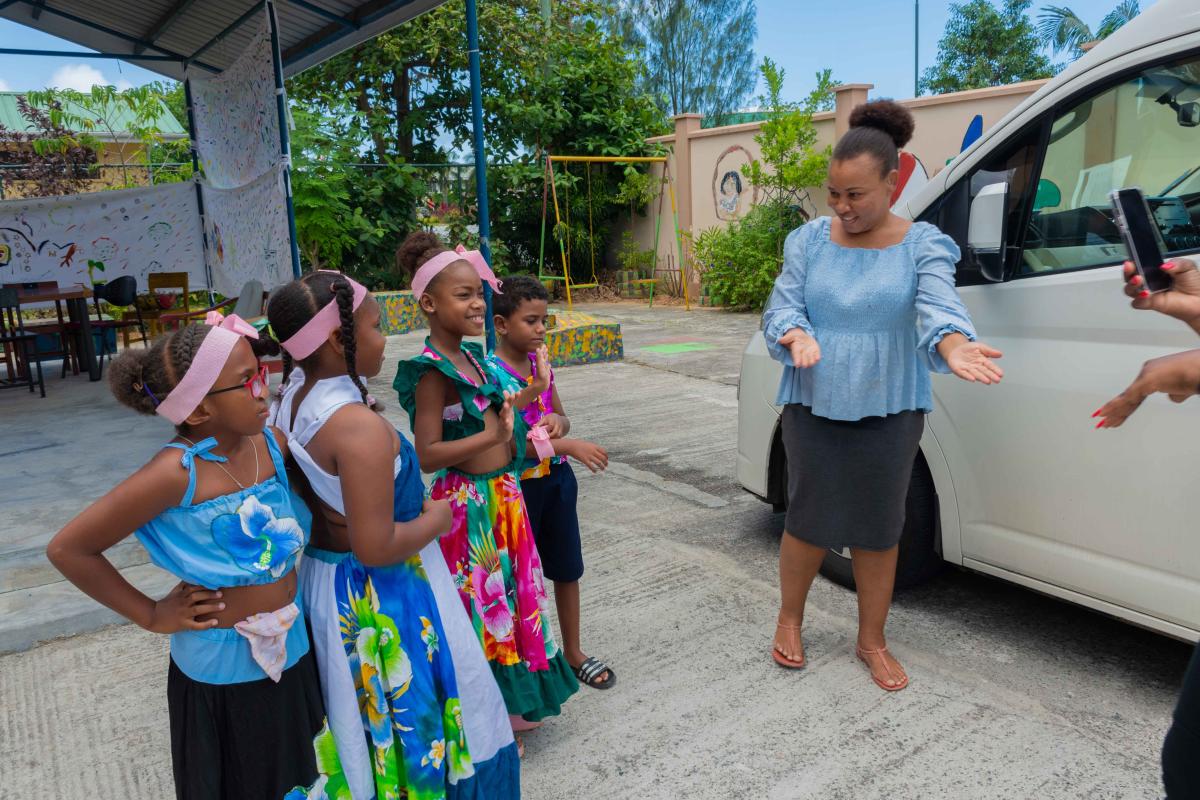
[[1061, 29]]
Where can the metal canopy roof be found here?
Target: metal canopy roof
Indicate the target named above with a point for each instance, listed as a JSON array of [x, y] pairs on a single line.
[[167, 34]]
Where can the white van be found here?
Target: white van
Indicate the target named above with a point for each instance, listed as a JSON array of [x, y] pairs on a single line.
[[1013, 480]]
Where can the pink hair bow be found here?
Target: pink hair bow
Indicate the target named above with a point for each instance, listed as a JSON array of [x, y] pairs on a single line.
[[430, 269], [231, 323]]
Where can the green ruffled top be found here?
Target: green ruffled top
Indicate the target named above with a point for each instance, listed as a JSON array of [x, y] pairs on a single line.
[[465, 419]]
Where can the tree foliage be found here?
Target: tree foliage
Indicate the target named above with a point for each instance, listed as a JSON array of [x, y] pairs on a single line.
[[739, 262], [127, 119], [986, 46], [787, 138], [698, 54], [580, 97], [569, 87], [1062, 30], [50, 158]]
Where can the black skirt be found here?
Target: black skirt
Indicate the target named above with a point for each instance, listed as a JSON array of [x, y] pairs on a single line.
[[244, 741], [848, 481]]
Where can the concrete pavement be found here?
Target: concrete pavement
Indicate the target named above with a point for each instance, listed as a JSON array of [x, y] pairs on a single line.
[[1013, 695]]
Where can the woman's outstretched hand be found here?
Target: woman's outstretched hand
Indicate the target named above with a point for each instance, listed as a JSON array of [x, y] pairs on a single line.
[[1181, 301], [805, 350], [1177, 376], [973, 361]]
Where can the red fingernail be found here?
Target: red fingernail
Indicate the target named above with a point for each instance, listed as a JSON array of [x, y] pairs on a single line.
[[1100, 424], [1098, 410], [1168, 265], [1143, 293]]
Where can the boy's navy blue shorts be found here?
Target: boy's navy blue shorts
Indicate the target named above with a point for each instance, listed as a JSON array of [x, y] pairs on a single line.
[[551, 505]]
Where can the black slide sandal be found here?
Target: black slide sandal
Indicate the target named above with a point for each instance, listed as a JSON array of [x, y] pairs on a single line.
[[593, 668]]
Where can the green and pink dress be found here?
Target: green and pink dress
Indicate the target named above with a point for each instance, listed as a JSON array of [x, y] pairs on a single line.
[[490, 548]]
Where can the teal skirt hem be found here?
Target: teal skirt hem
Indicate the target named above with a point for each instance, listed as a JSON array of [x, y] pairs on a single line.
[[536, 695]]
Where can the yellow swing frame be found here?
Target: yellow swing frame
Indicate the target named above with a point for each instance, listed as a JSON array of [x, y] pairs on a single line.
[[558, 219]]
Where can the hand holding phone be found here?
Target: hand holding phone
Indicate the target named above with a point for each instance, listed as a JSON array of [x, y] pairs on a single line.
[[1142, 238]]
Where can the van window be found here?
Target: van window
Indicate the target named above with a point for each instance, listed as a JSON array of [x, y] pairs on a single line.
[[1014, 165], [1143, 132]]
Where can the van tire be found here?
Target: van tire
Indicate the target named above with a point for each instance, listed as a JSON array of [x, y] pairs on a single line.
[[919, 558]]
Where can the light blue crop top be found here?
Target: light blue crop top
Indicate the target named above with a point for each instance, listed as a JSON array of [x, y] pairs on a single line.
[[242, 539], [250, 537]]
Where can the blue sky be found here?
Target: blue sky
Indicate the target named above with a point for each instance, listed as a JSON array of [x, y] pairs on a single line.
[[868, 41], [862, 41]]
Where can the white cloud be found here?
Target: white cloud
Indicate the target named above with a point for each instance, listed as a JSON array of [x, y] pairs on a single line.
[[78, 76], [122, 84], [4, 86]]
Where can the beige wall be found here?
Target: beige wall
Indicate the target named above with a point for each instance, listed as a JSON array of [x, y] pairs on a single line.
[[711, 153]]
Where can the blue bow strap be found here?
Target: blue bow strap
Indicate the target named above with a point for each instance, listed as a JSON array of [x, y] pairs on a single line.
[[201, 450]]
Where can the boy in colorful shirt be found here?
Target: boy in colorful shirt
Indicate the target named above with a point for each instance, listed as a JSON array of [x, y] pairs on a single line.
[[549, 486]]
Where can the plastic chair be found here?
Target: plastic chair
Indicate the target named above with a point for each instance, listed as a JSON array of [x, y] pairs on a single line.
[[120, 291], [16, 340]]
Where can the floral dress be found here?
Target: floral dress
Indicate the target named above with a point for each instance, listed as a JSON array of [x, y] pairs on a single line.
[[390, 641], [490, 548]]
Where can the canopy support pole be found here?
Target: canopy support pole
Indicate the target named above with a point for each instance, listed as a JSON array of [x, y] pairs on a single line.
[[285, 142], [481, 194]]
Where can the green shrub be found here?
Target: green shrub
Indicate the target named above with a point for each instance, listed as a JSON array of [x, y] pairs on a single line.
[[738, 263]]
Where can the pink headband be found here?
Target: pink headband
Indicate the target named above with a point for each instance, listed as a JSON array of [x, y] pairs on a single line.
[[304, 342], [214, 351], [433, 266]]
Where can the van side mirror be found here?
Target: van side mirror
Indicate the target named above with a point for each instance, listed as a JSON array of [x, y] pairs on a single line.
[[986, 230]]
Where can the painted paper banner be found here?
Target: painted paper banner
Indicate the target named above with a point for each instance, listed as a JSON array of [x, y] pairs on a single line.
[[236, 116], [127, 232], [248, 235]]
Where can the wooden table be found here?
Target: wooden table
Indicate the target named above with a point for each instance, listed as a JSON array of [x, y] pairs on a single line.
[[76, 298]]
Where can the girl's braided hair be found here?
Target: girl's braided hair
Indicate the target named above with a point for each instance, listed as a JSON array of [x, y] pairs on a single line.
[[291, 306], [141, 379]]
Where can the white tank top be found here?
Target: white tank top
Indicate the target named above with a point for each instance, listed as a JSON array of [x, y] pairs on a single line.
[[325, 398]]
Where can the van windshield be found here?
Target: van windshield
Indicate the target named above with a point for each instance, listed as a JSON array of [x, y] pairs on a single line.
[[1143, 132]]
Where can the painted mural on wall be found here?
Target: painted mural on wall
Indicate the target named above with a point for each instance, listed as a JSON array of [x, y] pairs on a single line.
[[248, 235], [236, 116], [103, 235], [733, 194]]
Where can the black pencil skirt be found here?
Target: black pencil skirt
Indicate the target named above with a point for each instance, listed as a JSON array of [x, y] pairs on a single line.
[[848, 481], [244, 741]]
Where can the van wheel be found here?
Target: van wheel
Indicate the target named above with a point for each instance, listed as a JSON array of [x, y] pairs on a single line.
[[919, 559]]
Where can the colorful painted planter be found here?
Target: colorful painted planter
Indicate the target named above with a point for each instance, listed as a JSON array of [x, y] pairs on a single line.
[[576, 338], [400, 312], [580, 338]]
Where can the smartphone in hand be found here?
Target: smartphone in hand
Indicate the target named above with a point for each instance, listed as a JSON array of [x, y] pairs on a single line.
[[1142, 238]]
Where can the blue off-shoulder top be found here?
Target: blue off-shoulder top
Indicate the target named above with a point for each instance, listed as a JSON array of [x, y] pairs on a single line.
[[878, 315]]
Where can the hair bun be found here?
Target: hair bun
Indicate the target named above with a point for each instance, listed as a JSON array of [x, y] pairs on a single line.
[[419, 247], [264, 346], [887, 116], [127, 380]]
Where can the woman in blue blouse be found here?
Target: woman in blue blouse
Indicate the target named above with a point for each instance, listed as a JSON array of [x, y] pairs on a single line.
[[864, 308]]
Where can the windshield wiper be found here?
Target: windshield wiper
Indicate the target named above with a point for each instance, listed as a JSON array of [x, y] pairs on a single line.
[[1180, 179]]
